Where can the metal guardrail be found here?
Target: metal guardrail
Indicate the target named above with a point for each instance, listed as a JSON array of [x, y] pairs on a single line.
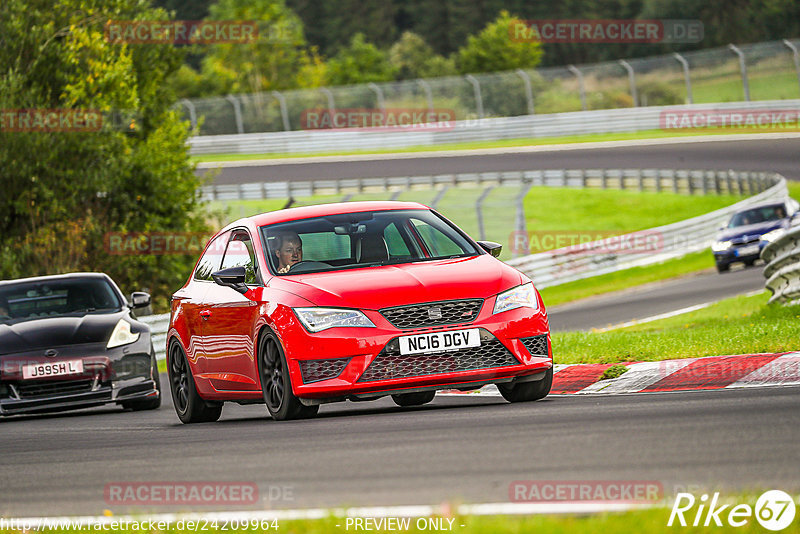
[[573, 263], [782, 272], [673, 240], [492, 129]]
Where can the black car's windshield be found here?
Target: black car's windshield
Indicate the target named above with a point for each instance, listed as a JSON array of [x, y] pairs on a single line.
[[758, 215], [58, 297], [365, 239]]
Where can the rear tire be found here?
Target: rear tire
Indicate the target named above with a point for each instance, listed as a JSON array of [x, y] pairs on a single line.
[[149, 403], [527, 391], [276, 385], [413, 399], [190, 407]]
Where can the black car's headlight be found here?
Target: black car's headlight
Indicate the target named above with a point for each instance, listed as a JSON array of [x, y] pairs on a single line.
[[721, 246], [517, 297], [122, 335]]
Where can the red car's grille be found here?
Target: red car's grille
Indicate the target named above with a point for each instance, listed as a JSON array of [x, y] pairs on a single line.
[[536, 345], [391, 364], [433, 313], [316, 370]]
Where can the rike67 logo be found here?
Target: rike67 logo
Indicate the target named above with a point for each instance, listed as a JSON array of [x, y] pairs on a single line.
[[774, 510]]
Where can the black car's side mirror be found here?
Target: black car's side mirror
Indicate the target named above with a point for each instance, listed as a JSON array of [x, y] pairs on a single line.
[[232, 277], [140, 299], [491, 247]]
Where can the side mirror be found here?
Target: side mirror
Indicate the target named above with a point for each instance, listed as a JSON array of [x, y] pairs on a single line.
[[140, 299], [491, 247], [232, 277]]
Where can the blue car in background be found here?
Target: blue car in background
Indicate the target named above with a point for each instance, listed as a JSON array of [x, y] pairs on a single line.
[[750, 229]]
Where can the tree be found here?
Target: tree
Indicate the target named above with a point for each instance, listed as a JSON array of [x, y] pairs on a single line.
[[411, 57], [65, 190], [359, 62], [494, 49]]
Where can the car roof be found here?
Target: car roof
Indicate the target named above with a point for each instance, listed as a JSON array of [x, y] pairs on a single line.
[[762, 205], [50, 277], [321, 210]]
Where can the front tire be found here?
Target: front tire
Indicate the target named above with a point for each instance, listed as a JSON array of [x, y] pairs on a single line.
[[276, 384], [723, 267], [413, 399], [527, 391], [189, 405]]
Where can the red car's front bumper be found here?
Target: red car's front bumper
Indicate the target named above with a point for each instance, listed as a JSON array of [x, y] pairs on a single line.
[[341, 363]]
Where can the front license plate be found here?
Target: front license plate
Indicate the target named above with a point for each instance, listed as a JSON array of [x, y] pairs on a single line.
[[748, 251], [439, 341], [41, 370]]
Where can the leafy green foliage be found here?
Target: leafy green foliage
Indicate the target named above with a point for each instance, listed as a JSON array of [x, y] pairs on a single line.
[[411, 57], [494, 49], [360, 62], [63, 191]]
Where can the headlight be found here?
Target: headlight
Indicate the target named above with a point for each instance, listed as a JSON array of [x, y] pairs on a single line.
[[318, 319], [721, 246], [769, 237], [518, 297], [122, 335]]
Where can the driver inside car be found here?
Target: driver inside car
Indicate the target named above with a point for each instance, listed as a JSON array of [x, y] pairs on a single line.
[[288, 250]]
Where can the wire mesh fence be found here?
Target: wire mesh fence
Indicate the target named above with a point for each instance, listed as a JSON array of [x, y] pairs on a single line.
[[762, 71]]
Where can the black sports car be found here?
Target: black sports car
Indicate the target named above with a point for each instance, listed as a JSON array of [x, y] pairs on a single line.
[[70, 341]]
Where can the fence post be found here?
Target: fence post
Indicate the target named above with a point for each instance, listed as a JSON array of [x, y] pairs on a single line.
[[379, 93], [479, 211], [428, 94], [284, 111], [331, 102], [796, 57], [528, 91], [685, 65], [743, 69], [237, 112], [574, 70], [476, 87], [521, 226], [631, 80], [192, 112]]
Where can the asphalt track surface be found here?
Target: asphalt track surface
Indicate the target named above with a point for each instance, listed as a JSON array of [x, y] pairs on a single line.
[[654, 299], [778, 155], [457, 448], [468, 449]]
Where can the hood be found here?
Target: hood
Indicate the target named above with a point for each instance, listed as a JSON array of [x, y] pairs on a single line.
[[751, 230], [46, 332], [373, 288]]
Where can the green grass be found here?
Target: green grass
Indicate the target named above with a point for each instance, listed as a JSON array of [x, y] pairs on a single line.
[[739, 325], [635, 276], [534, 141]]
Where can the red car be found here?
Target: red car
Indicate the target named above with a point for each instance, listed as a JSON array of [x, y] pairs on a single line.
[[351, 301]]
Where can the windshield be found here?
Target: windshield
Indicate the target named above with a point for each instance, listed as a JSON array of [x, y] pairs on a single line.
[[366, 239], [53, 298], [758, 215]]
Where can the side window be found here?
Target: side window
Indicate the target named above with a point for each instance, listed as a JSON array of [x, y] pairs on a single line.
[[437, 242], [239, 253], [394, 242], [209, 262]]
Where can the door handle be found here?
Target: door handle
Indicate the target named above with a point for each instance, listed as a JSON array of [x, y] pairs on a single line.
[[205, 314]]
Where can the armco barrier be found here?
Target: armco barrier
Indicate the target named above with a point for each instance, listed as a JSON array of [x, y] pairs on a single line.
[[561, 265], [783, 267], [592, 259], [490, 129]]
